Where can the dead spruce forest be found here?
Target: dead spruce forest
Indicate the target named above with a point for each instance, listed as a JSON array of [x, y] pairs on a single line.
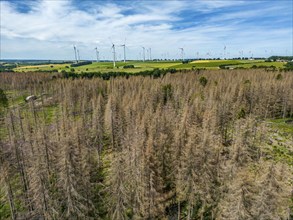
[[193, 145]]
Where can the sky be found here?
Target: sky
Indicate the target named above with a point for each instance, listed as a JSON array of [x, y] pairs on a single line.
[[48, 29]]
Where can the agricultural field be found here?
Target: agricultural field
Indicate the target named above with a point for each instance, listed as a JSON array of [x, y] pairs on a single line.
[[259, 64], [142, 66], [42, 67], [214, 64], [138, 66], [191, 145]]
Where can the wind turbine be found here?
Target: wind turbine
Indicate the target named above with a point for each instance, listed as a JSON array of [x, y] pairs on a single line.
[[74, 47], [251, 54], [225, 51], [124, 53], [114, 52], [97, 53], [114, 55], [208, 55], [150, 49], [124, 50], [143, 50], [241, 54], [78, 55], [182, 53]]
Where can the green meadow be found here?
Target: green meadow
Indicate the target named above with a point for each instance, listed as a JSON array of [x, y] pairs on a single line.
[[148, 65]]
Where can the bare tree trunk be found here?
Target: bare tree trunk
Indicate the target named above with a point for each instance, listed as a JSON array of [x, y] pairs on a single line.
[[10, 199], [7, 185], [19, 159], [179, 211]]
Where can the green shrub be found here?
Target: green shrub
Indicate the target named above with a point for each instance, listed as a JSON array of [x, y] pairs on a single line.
[[128, 66], [3, 99], [279, 76], [203, 81], [167, 92], [247, 82], [241, 113], [82, 63]]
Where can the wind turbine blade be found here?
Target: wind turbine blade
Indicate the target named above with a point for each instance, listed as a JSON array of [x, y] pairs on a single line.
[[111, 40]]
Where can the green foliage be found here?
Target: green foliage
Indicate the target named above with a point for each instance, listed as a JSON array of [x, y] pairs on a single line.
[[289, 66], [288, 58], [247, 82], [155, 73], [279, 76], [167, 92], [81, 63], [203, 81], [128, 66], [283, 154], [4, 210], [3, 99], [129, 213], [7, 67], [223, 67], [241, 113], [284, 125]]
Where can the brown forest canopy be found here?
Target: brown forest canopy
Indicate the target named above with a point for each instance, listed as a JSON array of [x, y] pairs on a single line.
[[193, 145]]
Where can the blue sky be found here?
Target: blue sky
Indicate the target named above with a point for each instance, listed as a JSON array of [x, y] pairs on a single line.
[[48, 29]]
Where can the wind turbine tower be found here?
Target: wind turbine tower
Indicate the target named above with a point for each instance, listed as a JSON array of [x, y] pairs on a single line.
[[78, 55], [114, 55], [74, 47], [143, 50], [124, 51], [150, 49], [97, 53], [182, 53]]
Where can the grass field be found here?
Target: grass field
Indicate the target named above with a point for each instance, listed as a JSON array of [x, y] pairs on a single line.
[[46, 67], [149, 65], [268, 64], [138, 66]]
